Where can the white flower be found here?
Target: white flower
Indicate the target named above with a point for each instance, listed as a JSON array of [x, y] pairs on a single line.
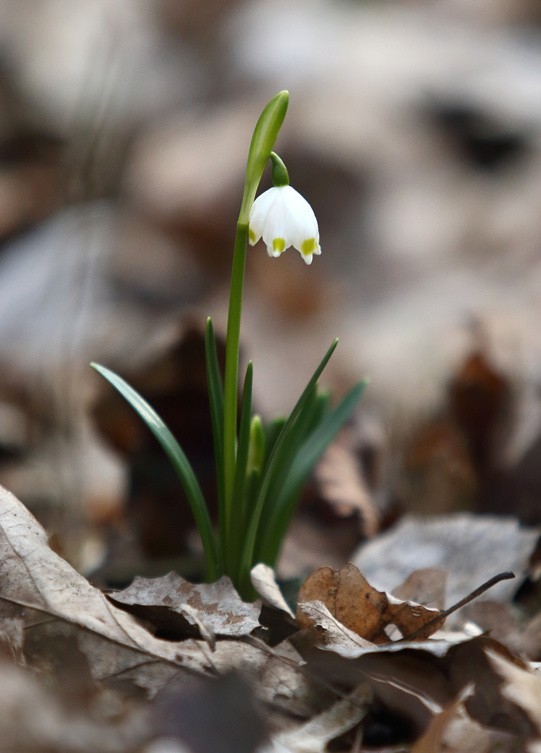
[[284, 218]]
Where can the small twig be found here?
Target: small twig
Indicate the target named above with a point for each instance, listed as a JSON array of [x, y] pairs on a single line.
[[442, 616]]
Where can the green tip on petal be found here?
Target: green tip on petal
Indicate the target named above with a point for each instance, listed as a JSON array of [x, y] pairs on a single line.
[[308, 246], [252, 236], [279, 245]]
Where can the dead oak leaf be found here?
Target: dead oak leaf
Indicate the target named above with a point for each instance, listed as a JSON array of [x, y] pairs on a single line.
[[214, 608], [363, 609]]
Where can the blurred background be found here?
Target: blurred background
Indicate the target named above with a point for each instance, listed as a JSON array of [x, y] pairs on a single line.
[[414, 129]]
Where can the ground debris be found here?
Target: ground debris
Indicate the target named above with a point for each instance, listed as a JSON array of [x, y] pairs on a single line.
[[356, 667]]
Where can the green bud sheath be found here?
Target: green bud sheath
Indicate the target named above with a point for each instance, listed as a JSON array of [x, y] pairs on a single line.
[[280, 176]]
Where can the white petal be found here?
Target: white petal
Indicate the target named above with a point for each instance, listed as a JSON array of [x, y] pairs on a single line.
[[259, 213]]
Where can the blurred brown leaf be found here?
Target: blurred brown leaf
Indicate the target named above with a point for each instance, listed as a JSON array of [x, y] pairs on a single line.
[[479, 397], [425, 586], [342, 486]]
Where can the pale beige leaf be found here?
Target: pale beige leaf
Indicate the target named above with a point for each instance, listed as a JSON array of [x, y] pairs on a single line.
[[343, 487], [264, 582], [521, 686], [314, 735]]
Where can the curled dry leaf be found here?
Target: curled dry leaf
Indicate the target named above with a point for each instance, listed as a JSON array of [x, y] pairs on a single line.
[[362, 609], [284, 686], [333, 637]]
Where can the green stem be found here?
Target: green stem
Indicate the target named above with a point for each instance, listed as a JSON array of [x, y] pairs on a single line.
[[263, 138], [231, 373]]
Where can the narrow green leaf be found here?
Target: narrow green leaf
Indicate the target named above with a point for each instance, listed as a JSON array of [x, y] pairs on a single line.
[[305, 459], [234, 535], [313, 380], [297, 433], [272, 432], [216, 402], [178, 459], [274, 458]]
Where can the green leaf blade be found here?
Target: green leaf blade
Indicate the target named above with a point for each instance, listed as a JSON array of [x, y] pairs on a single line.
[[216, 403], [178, 459], [276, 458]]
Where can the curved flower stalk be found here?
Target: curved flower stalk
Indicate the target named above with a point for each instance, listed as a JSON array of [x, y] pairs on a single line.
[[260, 468]]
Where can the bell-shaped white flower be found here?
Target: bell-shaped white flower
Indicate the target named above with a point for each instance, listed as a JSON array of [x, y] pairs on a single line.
[[283, 218]]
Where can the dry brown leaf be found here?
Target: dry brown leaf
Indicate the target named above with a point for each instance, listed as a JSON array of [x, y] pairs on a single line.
[[479, 398], [214, 608], [531, 638], [11, 632], [325, 630], [500, 622], [363, 609], [283, 685]]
